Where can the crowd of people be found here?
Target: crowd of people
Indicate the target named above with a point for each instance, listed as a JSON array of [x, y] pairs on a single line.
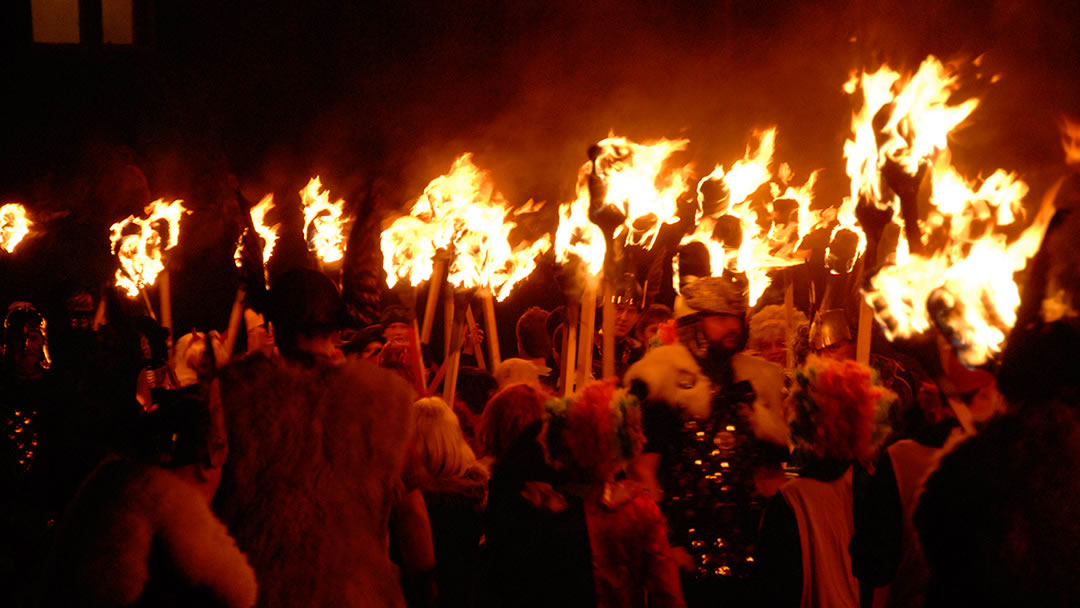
[[738, 457]]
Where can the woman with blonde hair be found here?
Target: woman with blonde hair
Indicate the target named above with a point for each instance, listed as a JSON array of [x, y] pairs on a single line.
[[439, 443], [454, 486]]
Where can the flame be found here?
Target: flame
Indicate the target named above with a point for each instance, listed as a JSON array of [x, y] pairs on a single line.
[[631, 172], [637, 190], [141, 252], [748, 241], [577, 237], [963, 277], [461, 212], [267, 233], [14, 226], [323, 222]]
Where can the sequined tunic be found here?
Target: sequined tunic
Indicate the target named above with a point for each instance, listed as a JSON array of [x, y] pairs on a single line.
[[21, 434], [707, 476]]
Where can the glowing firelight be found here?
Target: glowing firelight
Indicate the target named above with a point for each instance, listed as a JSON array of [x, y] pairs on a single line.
[[323, 222], [577, 237], [639, 198], [267, 233], [14, 226], [461, 212], [636, 186], [960, 273], [140, 244], [749, 239]]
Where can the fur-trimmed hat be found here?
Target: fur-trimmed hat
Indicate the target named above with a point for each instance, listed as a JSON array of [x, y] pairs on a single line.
[[714, 295]]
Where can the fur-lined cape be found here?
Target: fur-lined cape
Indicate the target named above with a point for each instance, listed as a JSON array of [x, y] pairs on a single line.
[[671, 374], [315, 456], [141, 535]]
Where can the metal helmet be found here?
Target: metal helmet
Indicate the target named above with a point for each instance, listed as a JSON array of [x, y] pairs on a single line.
[[628, 292], [21, 321], [829, 328]]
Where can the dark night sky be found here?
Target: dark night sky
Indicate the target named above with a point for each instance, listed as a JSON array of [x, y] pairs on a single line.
[[385, 94]]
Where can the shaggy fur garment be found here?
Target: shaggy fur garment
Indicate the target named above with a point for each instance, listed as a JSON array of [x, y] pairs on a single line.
[[140, 535], [315, 455], [673, 375]]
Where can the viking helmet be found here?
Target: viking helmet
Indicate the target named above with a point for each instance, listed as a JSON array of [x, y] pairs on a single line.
[[23, 319], [831, 327]]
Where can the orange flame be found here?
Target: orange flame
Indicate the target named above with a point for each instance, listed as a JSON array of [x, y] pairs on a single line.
[[964, 277], [14, 226], [631, 172], [637, 188], [267, 233], [760, 243], [323, 222], [461, 212], [577, 237], [141, 252]]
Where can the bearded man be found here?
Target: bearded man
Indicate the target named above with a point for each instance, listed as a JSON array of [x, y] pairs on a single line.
[[716, 437]]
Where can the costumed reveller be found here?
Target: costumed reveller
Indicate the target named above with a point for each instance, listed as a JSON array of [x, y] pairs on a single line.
[[768, 334], [396, 323], [534, 344], [537, 557], [886, 555], [30, 408], [803, 557], [591, 436], [628, 297], [454, 485], [716, 437], [648, 325], [831, 337], [140, 532], [317, 449]]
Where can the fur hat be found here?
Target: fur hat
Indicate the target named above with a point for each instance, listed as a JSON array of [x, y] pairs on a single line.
[[714, 295], [304, 301]]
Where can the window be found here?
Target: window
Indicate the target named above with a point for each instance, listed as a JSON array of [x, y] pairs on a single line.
[[86, 22], [55, 21], [117, 22]]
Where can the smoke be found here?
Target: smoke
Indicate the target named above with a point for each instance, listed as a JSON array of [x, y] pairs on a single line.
[[378, 98]]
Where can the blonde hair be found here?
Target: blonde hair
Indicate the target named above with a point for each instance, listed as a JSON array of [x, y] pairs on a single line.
[[772, 320], [440, 445]]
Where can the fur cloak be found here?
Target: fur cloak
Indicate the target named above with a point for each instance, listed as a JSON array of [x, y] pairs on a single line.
[[139, 535], [315, 455], [673, 375]]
